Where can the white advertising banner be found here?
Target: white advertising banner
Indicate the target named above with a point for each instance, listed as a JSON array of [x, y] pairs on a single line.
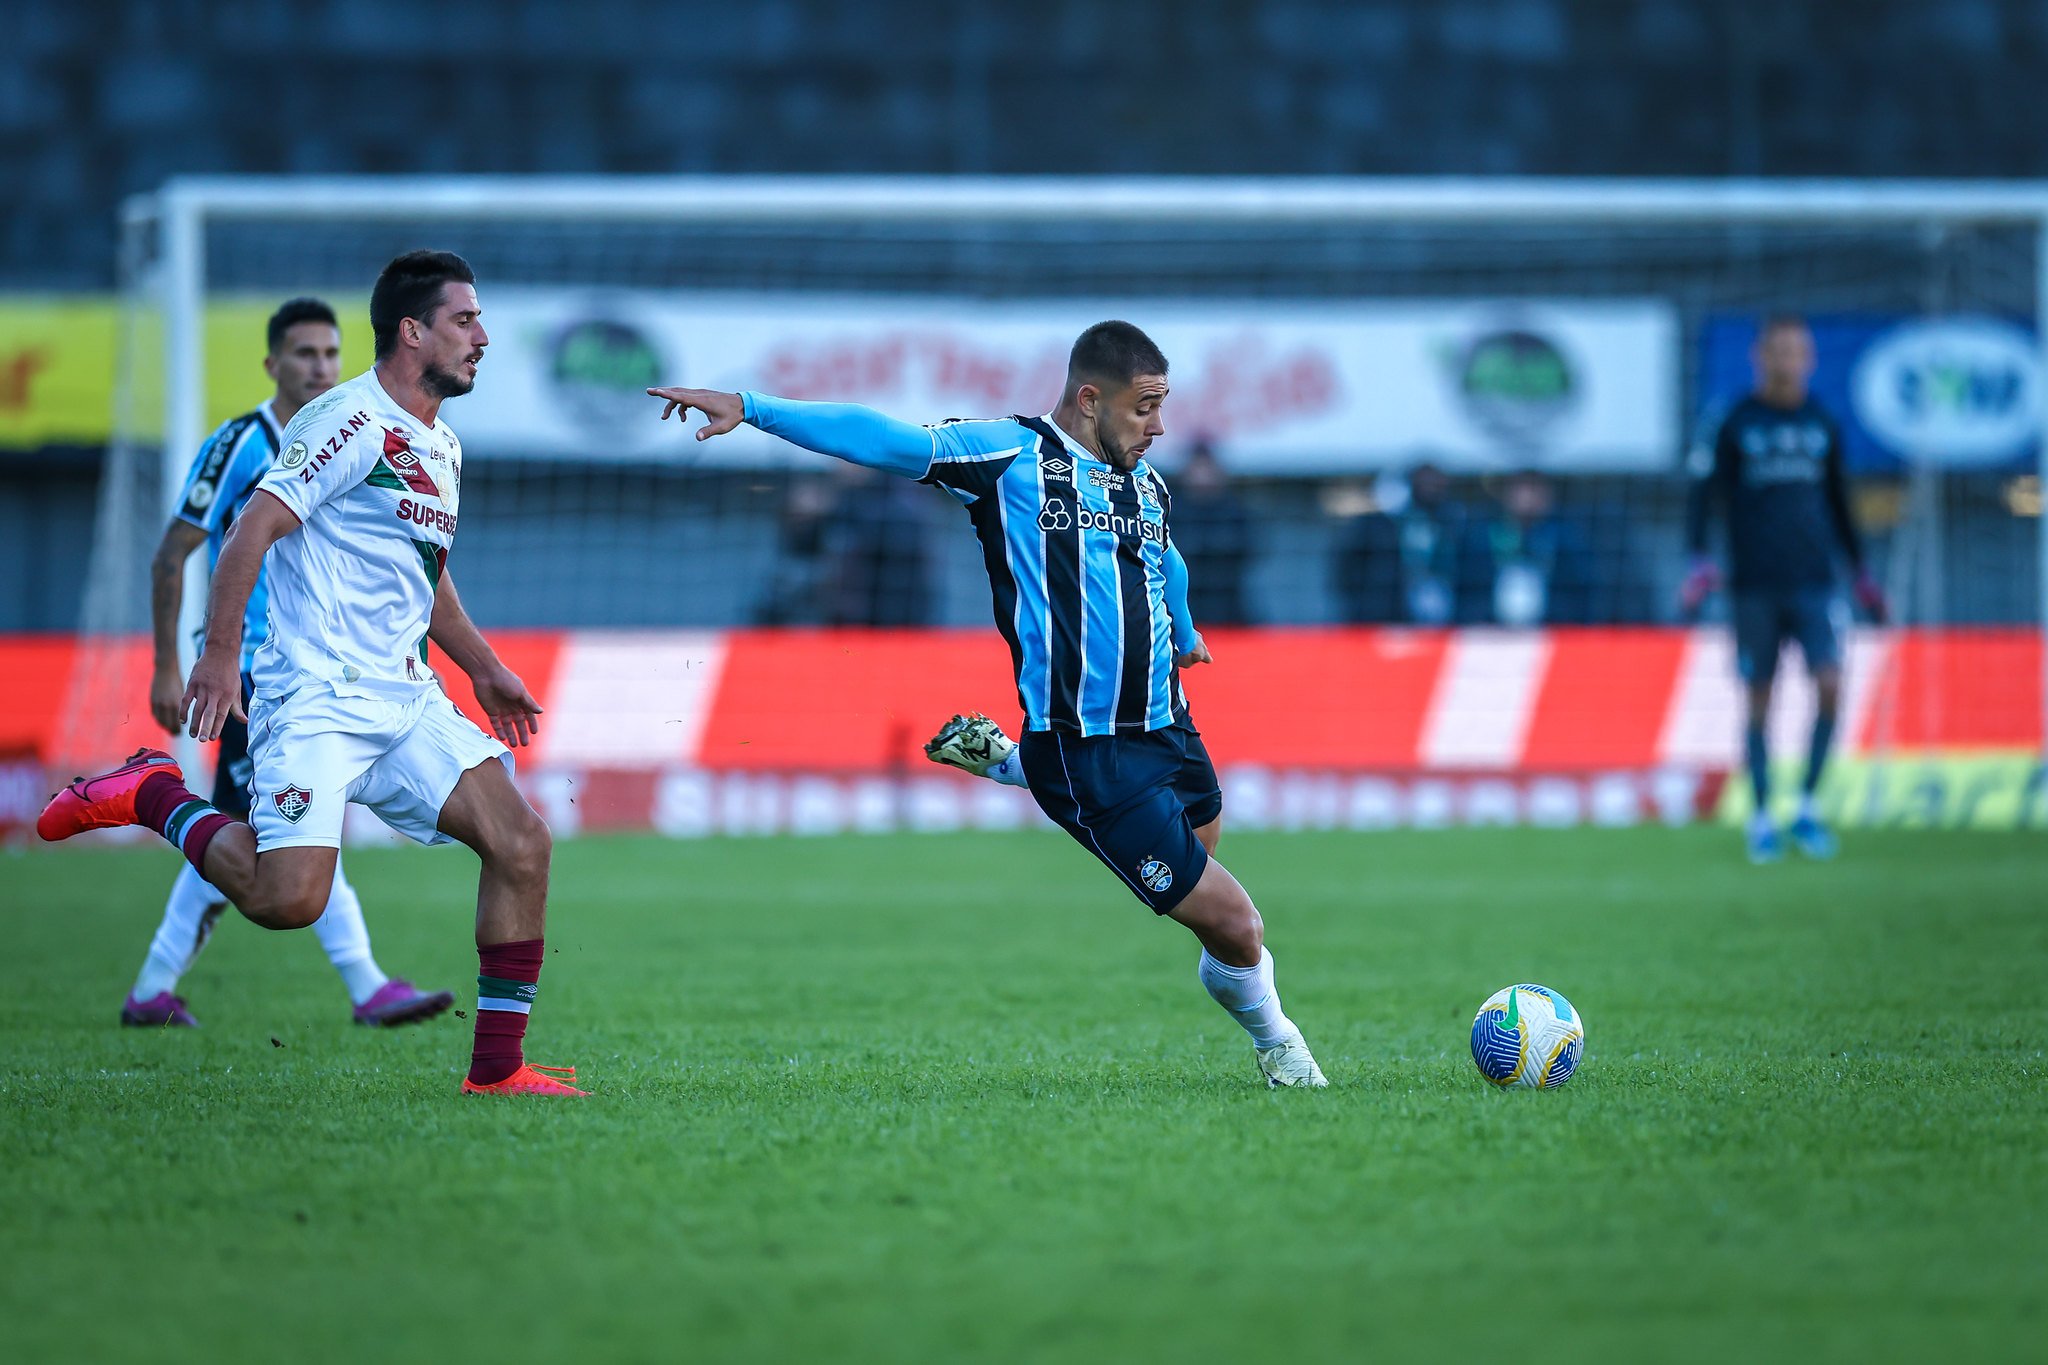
[[1281, 387]]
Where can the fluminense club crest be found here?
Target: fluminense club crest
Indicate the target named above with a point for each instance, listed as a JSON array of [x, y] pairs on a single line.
[[292, 803]]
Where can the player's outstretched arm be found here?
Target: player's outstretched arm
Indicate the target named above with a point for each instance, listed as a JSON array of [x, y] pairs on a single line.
[[847, 431], [515, 715], [166, 599], [214, 691]]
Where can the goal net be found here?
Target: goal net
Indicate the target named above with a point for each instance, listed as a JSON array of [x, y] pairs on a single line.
[[1534, 356]]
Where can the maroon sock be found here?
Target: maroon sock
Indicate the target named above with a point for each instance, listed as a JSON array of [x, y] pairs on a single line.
[[507, 980], [164, 804]]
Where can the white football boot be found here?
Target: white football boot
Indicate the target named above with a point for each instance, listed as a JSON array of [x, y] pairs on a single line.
[[1289, 1063], [972, 743]]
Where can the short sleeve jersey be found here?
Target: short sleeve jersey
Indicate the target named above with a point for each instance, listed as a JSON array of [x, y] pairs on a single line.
[[352, 590], [226, 471]]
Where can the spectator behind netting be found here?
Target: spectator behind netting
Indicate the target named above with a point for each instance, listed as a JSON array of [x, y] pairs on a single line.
[[1534, 565], [1400, 561], [793, 597], [1214, 533], [878, 561]]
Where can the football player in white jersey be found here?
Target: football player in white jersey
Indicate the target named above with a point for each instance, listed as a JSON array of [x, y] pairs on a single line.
[[303, 360], [357, 516]]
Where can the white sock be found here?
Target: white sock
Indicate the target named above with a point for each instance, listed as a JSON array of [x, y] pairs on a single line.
[[1250, 996], [347, 940], [189, 915], [1807, 809], [1009, 772]]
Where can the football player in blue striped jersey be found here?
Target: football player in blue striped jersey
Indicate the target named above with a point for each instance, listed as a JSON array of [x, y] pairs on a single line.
[[1090, 598]]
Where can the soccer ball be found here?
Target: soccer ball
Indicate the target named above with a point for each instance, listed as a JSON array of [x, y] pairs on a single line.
[[1528, 1036]]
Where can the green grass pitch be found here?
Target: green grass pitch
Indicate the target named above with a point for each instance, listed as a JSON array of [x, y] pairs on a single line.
[[959, 1098]]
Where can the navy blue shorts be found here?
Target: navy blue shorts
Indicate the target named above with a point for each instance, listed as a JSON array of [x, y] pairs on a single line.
[[233, 767], [1764, 618], [1134, 801]]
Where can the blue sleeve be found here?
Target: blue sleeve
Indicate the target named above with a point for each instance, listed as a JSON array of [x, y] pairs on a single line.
[[969, 457], [847, 431], [1177, 601], [1711, 466], [1836, 485], [209, 491]]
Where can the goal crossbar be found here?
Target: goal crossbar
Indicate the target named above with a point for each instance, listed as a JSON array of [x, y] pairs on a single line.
[[182, 209]]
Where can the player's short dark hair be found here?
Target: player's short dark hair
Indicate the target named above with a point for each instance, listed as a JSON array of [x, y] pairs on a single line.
[[1112, 354], [410, 287], [1778, 322], [291, 313]]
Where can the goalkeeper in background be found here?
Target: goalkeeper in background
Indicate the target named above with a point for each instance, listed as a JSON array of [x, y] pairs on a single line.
[[1773, 465]]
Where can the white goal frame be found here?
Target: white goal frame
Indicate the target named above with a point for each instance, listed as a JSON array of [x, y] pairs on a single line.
[[182, 210]]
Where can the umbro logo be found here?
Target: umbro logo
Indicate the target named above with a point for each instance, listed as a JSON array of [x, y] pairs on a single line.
[[1058, 468]]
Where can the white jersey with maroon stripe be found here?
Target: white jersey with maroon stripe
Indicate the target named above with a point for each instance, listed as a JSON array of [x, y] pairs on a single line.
[[352, 590]]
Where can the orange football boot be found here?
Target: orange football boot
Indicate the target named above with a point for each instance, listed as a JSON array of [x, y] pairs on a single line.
[[530, 1079], [106, 801]]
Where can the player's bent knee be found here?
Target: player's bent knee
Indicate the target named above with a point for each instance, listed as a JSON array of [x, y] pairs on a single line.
[[525, 850], [291, 888], [289, 910], [1222, 915], [1248, 935]]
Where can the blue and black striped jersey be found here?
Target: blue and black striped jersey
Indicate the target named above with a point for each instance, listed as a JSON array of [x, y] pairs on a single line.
[[223, 475], [1089, 591]]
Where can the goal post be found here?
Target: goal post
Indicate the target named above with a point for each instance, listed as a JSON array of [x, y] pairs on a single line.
[[1707, 251]]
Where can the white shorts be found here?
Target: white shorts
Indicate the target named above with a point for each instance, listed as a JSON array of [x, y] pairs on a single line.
[[315, 751]]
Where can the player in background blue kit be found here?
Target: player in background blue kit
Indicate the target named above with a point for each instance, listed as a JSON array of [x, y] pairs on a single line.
[[1773, 466], [1090, 596], [304, 361]]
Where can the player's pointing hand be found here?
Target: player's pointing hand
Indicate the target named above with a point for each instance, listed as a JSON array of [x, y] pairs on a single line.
[[722, 411]]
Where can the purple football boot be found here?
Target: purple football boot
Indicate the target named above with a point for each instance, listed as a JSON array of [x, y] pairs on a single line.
[[398, 1001], [162, 1010]]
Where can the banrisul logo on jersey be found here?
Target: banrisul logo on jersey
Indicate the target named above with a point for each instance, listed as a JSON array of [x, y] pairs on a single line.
[[1514, 383], [1956, 391], [599, 367]]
